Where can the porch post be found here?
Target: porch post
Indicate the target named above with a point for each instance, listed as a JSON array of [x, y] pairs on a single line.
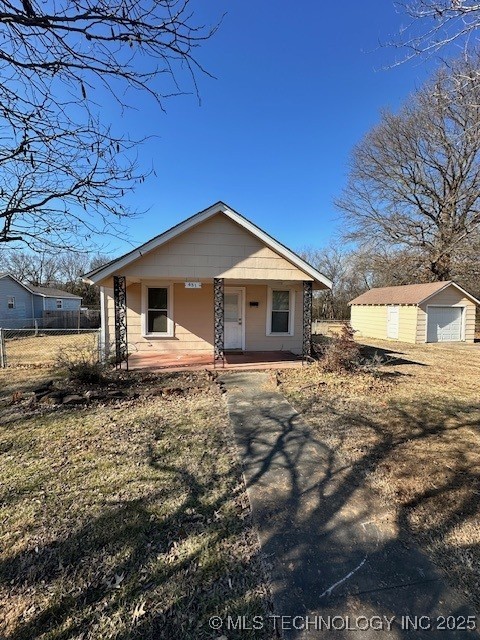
[[307, 319], [218, 321], [120, 302]]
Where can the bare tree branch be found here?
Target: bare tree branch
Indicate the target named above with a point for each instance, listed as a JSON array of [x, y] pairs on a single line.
[[436, 24], [64, 171]]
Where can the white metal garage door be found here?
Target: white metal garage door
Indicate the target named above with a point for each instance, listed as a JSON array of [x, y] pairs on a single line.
[[444, 324]]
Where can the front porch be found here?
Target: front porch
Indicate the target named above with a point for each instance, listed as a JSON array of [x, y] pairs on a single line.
[[247, 360], [217, 323]]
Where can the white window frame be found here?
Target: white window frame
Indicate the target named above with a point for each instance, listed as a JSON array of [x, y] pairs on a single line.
[[11, 303], [291, 311], [58, 300], [170, 332]]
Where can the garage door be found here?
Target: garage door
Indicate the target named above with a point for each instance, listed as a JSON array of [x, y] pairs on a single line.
[[444, 324]]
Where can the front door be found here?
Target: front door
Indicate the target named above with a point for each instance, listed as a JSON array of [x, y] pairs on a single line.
[[233, 310]]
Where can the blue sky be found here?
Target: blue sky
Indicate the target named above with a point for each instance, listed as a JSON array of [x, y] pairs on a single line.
[[297, 85]]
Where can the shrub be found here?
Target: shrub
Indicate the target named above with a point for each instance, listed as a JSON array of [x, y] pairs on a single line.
[[81, 363], [342, 353]]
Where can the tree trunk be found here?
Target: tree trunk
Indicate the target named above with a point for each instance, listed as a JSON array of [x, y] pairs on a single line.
[[441, 267]]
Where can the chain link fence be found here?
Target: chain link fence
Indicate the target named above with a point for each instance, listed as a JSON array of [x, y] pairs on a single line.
[[44, 347]]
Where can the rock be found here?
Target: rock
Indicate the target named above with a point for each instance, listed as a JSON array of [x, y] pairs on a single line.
[[94, 395], [74, 399], [173, 391], [116, 394], [44, 389]]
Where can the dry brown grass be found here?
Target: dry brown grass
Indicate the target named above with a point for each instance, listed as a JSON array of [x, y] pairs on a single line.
[[123, 520], [44, 349], [414, 435]]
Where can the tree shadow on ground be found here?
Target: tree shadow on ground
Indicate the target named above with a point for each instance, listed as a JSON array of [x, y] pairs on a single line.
[[139, 570], [347, 551], [388, 356]]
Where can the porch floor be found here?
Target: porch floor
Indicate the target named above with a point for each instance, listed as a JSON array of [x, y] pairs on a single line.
[[245, 360]]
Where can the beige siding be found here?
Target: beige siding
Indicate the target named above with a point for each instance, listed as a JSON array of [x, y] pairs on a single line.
[[407, 323], [369, 321], [219, 248], [256, 323], [193, 318], [449, 297]]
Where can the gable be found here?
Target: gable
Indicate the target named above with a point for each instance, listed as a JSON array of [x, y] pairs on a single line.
[[215, 248], [9, 281], [295, 263], [449, 296], [23, 298]]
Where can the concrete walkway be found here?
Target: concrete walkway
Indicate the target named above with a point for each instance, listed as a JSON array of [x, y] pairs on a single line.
[[335, 557]]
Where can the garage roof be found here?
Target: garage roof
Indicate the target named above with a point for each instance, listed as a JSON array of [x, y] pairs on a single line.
[[407, 293]]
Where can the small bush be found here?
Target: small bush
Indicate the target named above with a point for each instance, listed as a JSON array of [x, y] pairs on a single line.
[[87, 372], [342, 353], [81, 364]]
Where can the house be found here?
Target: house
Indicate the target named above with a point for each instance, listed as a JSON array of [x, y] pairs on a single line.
[[213, 283], [22, 304], [431, 312]]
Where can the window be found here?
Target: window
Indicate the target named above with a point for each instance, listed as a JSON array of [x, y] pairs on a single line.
[[157, 311], [59, 303], [11, 302], [280, 312]]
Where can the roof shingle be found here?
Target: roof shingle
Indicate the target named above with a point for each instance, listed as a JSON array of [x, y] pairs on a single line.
[[51, 292], [403, 294]]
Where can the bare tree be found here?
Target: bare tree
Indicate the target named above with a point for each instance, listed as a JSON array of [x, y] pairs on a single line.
[[64, 170], [348, 281], [436, 24], [414, 181], [37, 269]]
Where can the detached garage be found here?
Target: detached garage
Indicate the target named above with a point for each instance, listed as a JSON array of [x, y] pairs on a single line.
[[432, 312]]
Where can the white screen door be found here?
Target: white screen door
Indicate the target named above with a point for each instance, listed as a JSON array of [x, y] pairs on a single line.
[[233, 309]]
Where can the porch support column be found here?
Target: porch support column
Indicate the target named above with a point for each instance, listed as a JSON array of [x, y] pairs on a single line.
[[120, 303], [219, 318], [307, 319]]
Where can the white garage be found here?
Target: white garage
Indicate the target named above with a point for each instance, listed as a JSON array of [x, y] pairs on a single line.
[[429, 312]]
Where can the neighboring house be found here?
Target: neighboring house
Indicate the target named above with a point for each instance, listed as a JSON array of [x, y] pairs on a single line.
[[21, 304], [212, 283], [432, 312]]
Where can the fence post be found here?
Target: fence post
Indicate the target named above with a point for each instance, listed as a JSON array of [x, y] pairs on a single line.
[[100, 346], [3, 354], [36, 328]]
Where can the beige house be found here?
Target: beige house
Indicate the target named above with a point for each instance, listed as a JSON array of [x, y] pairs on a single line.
[[432, 312], [212, 284]]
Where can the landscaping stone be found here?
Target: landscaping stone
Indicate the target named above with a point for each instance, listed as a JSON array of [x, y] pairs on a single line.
[[74, 399]]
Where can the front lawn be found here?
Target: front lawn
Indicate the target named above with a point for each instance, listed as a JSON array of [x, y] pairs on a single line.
[[123, 518], [413, 435]]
